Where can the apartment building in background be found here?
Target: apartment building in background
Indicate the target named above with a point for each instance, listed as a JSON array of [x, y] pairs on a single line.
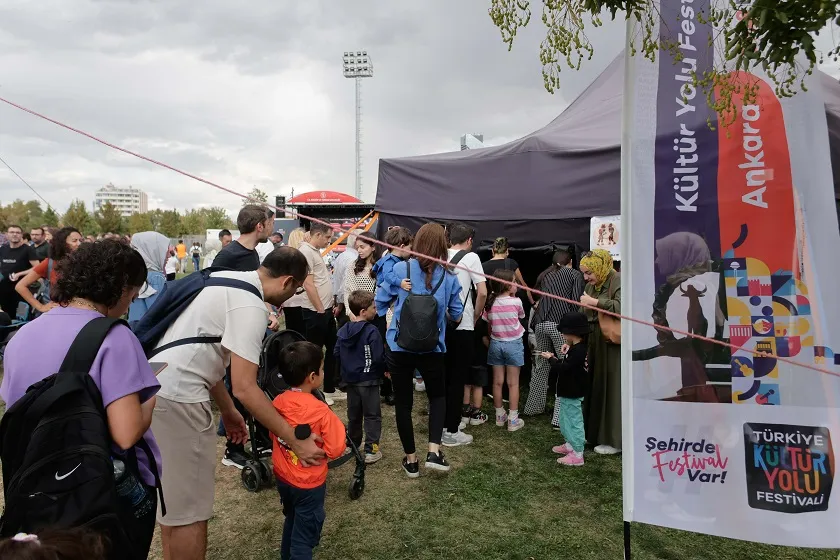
[[128, 200]]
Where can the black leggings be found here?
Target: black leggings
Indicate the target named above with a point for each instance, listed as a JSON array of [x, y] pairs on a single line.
[[430, 366], [386, 389]]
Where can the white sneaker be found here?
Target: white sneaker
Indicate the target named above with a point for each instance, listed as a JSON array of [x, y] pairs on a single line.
[[329, 401], [336, 395], [464, 421], [456, 439], [419, 386], [606, 450]]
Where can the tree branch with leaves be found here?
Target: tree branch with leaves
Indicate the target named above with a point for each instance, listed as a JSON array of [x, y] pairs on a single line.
[[773, 35]]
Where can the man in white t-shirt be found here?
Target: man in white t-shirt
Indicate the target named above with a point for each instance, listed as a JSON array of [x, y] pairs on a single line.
[[460, 343], [183, 420], [319, 306]]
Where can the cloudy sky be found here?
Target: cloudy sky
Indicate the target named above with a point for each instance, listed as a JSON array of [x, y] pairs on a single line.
[[255, 96]]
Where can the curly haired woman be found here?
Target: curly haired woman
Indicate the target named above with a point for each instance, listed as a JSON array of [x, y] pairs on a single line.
[[97, 280]]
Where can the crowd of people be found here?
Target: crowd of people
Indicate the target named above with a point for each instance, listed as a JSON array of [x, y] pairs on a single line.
[[380, 326]]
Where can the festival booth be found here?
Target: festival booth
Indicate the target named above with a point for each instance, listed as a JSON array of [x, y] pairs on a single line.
[[339, 209], [541, 190]]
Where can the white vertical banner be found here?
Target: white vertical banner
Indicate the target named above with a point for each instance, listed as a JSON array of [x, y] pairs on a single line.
[[730, 234]]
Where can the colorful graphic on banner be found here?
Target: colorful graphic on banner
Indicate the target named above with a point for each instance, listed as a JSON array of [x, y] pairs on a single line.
[[727, 236], [605, 233]]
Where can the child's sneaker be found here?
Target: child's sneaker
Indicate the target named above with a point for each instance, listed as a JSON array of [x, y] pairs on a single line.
[[412, 470], [571, 460], [374, 455], [515, 424], [437, 462], [477, 417], [501, 419], [564, 449]]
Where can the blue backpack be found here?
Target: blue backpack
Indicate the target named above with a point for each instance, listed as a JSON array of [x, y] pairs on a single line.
[[173, 300]]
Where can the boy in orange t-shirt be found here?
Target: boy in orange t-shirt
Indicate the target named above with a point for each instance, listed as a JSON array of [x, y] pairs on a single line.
[[303, 490]]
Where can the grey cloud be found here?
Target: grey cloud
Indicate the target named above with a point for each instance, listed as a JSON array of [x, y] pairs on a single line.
[[441, 70]]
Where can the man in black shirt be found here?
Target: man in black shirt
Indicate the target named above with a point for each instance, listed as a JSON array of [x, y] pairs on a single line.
[[40, 249], [255, 224], [14, 259]]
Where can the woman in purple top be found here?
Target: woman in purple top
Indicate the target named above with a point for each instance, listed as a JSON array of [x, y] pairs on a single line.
[[99, 279]]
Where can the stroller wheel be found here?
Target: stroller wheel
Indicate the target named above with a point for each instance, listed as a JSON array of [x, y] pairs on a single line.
[[357, 487], [252, 478], [267, 471]]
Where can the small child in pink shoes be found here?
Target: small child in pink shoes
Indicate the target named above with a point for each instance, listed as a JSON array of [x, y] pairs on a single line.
[[572, 373]]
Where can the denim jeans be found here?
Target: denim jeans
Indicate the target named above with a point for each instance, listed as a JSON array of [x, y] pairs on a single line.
[[305, 514]]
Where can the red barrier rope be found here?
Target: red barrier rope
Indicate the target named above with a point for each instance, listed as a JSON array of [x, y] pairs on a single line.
[[439, 261]]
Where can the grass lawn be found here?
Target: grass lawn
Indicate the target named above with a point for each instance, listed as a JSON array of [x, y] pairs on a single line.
[[505, 498]]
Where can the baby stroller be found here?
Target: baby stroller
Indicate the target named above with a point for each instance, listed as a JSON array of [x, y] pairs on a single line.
[[257, 472]]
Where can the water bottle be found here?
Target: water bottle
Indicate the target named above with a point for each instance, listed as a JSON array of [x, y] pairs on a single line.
[[132, 490]]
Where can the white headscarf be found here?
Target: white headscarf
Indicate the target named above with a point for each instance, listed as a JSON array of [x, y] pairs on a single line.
[[153, 247]]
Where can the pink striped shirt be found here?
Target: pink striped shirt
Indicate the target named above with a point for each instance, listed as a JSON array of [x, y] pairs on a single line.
[[504, 318]]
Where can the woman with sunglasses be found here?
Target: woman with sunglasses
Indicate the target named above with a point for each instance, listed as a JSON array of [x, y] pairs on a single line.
[[602, 407]]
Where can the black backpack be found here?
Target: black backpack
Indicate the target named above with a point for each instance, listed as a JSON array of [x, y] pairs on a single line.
[[417, 327], [55, 446], [173, 300]]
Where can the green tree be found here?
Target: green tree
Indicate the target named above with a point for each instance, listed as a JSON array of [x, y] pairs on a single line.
[[50, 217], [216, 217], [192, 222], [170, 223], [254, 196], [25, 214], [141, 221], [109, 218], [78, 217], [771, 34]]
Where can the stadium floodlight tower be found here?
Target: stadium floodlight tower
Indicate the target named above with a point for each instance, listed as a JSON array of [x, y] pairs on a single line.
[[358, 65]]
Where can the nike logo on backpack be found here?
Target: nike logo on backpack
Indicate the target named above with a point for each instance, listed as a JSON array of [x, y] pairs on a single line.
[[62, 477]]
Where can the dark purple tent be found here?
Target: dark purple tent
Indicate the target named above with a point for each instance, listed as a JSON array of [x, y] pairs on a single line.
[[541, 189]]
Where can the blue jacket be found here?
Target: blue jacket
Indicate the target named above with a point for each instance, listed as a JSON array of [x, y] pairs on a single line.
[[448, 299], [384, 269], [361, 353]]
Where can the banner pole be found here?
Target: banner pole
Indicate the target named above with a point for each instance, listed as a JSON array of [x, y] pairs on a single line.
[[626, 243], [626, 540]]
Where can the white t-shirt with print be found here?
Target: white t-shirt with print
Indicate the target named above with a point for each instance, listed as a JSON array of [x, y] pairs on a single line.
[[472, 278], [237, 315]]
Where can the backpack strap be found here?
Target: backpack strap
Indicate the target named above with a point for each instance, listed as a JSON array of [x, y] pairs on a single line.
[[211, 281], [437, 286], [79, 358], [183, 342], [85, 347], [456, 258], [233, 283], [142, 444], [442, 277], [49, 270]]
